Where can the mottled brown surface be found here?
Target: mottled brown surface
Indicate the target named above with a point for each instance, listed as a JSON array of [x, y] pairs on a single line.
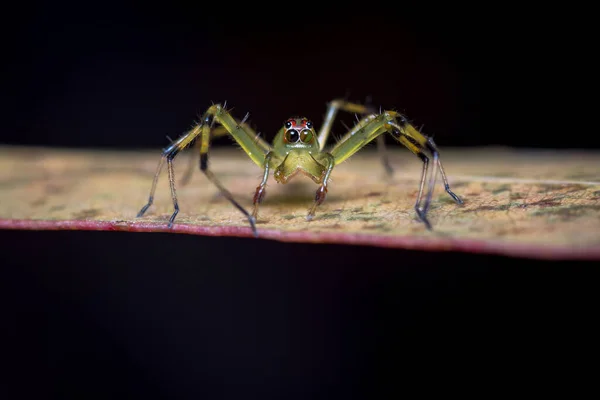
[[527, 203]]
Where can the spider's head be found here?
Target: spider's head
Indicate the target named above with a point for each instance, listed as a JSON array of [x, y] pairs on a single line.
[[299, 133]]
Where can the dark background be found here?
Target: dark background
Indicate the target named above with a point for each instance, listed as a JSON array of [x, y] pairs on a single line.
[[102, 314], [126, 76]]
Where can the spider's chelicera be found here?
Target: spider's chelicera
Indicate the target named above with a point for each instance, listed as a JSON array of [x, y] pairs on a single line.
[[297, 148]]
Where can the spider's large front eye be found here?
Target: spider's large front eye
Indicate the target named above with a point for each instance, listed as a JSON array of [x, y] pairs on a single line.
[[306, 135], [292, 136]]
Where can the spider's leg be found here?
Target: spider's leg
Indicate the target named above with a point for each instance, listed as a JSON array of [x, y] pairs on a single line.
[[417, 143], [153, 189], [252, 144], [187, 175], [433, 148], [168, 155], [256, 148], [172, 185], [341, 104], [385, 161], [322, 190], [260, 190], [381, 148], [372, 126], [422, 211], [209, 174], [332, 109], [215, 133]]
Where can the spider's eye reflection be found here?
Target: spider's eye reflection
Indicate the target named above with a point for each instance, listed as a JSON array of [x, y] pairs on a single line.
[[309, 124], [292, 136], [306, 135], [288, 124]]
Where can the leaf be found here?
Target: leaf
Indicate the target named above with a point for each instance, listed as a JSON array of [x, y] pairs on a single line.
[[542, 204]]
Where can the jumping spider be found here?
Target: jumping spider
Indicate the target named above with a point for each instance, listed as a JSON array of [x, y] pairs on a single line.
[[298, 149]]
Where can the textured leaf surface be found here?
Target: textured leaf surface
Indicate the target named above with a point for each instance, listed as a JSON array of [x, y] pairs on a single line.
[[543, 204]]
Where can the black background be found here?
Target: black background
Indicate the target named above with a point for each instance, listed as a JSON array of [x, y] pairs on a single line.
[[128, 76], [99, 314]]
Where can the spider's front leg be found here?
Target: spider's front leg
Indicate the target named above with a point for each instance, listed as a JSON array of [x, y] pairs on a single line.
[[322, 190], [358, 109], [254, 146], [216, 132], [251, 143], [396, 124]]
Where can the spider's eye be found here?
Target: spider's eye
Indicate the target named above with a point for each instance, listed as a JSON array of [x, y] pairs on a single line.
[[292, 136], [306, 135], [309, 124], [288, 124]]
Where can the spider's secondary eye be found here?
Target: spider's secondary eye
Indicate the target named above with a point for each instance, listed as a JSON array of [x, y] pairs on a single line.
[[306, 135], [309, 124], [292, 136], [288, 124]]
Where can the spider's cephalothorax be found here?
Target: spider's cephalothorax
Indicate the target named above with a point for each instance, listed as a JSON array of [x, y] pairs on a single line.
[[297, 148], [296, 145]]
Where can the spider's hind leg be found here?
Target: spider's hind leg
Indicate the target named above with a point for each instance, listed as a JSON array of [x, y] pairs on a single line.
[[432, 147], [168, 155], [383, 154], [196, 145], [422, 211], [185, 179]]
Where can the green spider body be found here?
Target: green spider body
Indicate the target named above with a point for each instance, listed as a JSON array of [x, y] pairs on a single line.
[[297, 149]]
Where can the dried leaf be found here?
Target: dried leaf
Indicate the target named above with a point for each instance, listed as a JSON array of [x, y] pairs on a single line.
[[543, 204]]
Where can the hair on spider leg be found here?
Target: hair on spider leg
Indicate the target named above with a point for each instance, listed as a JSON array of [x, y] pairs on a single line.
[[246, 117], [345, 126], [224, 107], [243, 121], [336, 137], [256, 139]]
